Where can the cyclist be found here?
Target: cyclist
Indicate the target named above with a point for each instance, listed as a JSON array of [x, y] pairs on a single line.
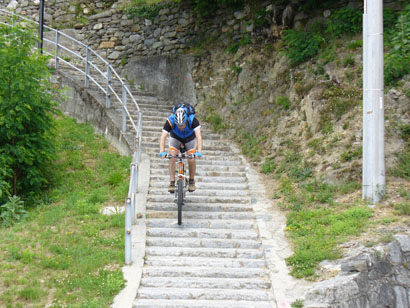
[[185, 134]]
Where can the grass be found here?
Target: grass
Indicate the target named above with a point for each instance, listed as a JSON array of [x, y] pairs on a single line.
[[67, 254], [317, 222]]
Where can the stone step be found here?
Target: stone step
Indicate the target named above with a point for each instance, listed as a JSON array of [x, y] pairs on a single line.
[[204, 252], [200, 215], [160, 303], [203, 233], [210, 272], [206, 152], [199, 223], [200, 199], [202, 294], [203, 192], [207, 179], [203, 207], [205, 262], [158, 129], [232, 188], [202, 243], [217, 161], [200, 172], [207, 143], [206, 140], [219, 283]]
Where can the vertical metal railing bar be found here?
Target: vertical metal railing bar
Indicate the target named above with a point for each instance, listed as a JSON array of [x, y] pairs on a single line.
[[87, 66], [57, 48], [108, 94], [130, 203], [124, 103], [128, 232]]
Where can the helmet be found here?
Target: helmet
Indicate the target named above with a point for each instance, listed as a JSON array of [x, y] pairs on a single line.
[[180, 116]]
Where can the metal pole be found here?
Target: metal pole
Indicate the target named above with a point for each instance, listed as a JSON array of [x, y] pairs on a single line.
[[57, 46], [41, 26], [128, 234], [374, 180], [108, 96], [124, 104], [87, 67]]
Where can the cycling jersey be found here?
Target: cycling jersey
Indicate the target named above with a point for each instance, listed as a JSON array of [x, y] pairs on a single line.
[[185, 135]]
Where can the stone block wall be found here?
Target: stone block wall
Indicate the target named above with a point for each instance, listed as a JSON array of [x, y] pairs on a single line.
[[118, 38]]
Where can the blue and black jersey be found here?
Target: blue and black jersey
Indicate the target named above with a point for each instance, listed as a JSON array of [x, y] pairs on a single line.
[[185, 135]]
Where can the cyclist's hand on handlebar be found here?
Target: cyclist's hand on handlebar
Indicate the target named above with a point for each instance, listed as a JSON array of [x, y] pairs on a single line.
[[198, 154], [163, 154]]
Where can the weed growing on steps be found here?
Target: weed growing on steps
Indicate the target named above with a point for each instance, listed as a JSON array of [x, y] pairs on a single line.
[[67, 253]]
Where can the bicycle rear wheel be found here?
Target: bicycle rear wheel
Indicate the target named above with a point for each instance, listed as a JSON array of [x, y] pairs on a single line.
[[180, 196]]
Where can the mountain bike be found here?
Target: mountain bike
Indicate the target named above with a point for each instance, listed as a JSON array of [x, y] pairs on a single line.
[[182, 181]]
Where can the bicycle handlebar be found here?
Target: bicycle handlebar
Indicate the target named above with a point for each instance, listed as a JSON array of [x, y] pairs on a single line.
[[182, 155]]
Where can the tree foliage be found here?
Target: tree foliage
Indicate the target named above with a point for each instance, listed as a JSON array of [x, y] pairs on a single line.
[[27, 106]]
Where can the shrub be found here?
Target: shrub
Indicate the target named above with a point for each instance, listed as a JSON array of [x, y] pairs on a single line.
[[300, 46], [344, 21], [27, 106], [397, 61], [12, 211]]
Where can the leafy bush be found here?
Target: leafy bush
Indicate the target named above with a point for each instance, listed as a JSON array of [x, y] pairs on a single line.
[[300, 46], [27, 106], [12, 211], [397, 61], [344, 21]]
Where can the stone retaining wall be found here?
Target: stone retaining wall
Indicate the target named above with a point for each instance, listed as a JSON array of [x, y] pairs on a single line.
[[86, 105], [108, 29]]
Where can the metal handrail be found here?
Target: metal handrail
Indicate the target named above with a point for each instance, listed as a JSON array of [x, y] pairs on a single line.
[[87, 70]]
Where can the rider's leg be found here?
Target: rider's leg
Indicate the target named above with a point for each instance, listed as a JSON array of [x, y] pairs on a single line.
[[173, 150], [191, 148]]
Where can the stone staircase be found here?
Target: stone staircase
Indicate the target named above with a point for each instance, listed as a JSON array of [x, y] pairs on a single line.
[[215, 258]]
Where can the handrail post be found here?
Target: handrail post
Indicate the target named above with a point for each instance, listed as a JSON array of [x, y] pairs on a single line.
[[87, 67], [133, 208], [57, 47], [107, 97], [128, 232], [124, 104]]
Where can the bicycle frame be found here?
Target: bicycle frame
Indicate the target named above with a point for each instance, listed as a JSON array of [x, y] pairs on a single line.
[[182, 181]]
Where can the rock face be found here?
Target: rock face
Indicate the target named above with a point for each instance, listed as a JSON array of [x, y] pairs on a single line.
[[377, 278]]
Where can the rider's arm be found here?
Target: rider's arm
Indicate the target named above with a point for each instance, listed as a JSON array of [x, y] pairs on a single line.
[[198, 136], [162, 141]]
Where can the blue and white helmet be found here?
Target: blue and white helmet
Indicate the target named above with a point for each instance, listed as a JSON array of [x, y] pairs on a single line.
[[180, 116]]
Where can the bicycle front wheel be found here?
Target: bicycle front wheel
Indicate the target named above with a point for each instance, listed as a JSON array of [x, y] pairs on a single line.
[[180, 196]]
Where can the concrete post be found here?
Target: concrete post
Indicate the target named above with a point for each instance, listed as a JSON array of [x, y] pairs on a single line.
[[374, 181]]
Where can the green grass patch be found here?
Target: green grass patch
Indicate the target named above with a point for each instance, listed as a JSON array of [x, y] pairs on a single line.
[[316, 232], [216, 122], [66, 253]]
